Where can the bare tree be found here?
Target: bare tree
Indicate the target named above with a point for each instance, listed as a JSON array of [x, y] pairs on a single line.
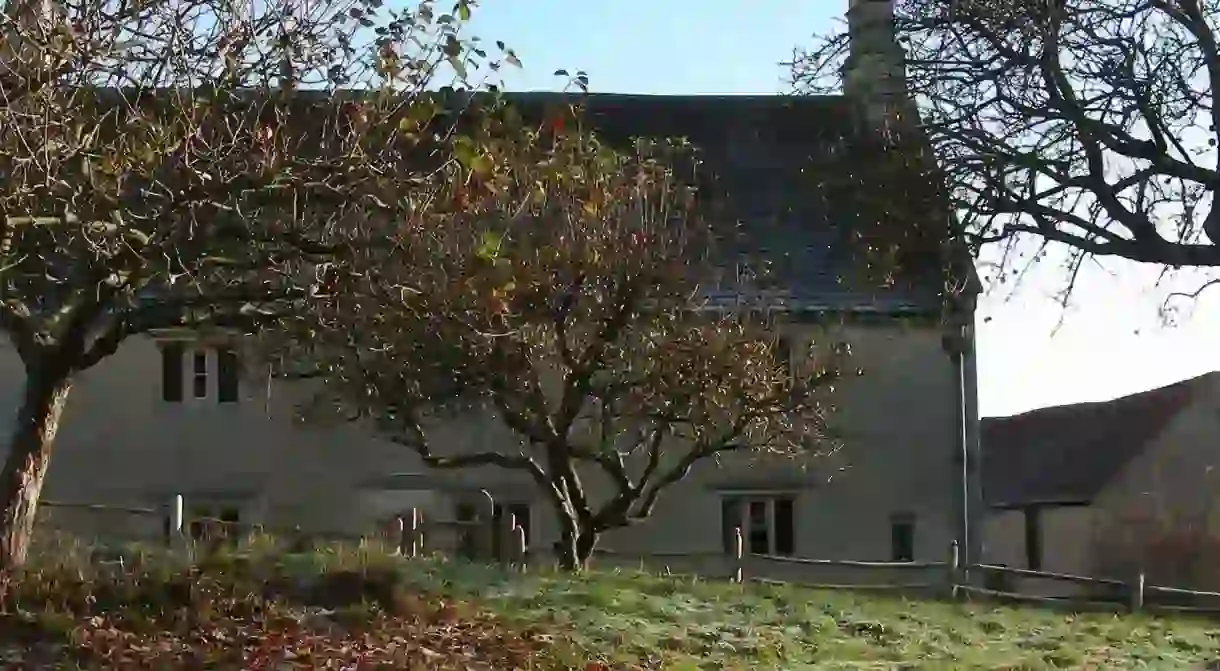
[[559, 296], [1091, 123], [179, 163]]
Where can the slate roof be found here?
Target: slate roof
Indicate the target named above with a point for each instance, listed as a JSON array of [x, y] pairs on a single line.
[[782, 215], [1068, 454], [795, 179]]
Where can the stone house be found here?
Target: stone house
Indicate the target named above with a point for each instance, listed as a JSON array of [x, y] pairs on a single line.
[[179, 412]]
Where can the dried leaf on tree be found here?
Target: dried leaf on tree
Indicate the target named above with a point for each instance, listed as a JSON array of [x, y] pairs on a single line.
[[556, 287]]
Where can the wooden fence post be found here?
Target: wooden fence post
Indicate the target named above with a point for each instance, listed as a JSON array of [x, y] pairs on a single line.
[[173, 534], [739, 571], [521, 551], [412, 539], [398, 530], [487, 526], [1137, 593], [953, 573]]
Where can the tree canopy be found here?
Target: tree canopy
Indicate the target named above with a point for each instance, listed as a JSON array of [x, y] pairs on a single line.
[[1088, 123], [553, 284], [174, 163]]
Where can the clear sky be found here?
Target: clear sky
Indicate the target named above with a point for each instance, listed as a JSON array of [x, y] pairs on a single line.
[[1112, 340]]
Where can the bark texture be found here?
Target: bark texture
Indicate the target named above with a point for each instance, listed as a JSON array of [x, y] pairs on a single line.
[[25, 468], [575, 546]]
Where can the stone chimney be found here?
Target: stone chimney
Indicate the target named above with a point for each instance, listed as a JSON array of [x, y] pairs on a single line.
[[875, 72]]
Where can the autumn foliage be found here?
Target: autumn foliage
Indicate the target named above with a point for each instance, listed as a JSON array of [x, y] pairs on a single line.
[[552, 281], [183, 165]]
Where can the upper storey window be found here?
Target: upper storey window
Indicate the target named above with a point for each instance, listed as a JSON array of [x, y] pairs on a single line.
[[198, 372]]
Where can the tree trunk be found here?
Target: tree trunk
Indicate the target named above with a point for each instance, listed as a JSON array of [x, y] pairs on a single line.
[[29, 454], [575, 546]]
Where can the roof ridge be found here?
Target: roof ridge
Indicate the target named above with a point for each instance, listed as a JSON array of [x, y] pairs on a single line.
[[1187, 382]]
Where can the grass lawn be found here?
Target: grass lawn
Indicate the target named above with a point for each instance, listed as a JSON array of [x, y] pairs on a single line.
[[675, 623], [342, 609]]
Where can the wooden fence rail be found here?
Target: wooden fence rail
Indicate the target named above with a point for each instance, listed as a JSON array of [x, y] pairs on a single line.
[[1048, 575], [503, 540], [850, 563], [101, 507], [1136, 590]]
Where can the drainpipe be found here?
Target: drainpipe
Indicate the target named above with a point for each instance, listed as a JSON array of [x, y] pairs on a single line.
[[957, 342]]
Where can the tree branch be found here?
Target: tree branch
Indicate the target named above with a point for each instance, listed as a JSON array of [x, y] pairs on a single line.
[[416, 440]]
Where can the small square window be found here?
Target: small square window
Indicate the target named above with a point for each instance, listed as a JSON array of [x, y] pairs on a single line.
[[199, 372], [902, 537]]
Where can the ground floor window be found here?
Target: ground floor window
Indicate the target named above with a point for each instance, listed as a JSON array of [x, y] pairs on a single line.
[[467, 542], [520, 513], [214, 521], [767, 523], [902, 537]]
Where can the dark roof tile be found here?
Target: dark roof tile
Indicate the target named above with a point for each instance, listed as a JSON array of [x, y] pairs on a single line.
[[1070, 453], [791, 185]]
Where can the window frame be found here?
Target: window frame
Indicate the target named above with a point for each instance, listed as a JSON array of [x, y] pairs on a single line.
[[742, 502], [183, 380]]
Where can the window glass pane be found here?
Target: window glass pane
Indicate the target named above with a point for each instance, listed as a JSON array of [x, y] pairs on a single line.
[[226, 376], [497, 532], [730, 519], [785, 526], [465, 512], [171, 372], [902, 538], [758, 540], [200, 379]]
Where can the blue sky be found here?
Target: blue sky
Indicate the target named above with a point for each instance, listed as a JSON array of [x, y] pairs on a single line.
[[661, 46], [1112, 341]]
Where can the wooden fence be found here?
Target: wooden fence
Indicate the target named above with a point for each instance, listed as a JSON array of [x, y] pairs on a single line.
[[1105, 594], [476, 539], [503, 540]]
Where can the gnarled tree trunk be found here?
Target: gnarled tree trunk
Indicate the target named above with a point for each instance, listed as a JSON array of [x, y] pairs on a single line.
[[575, 546], [46, 394]]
